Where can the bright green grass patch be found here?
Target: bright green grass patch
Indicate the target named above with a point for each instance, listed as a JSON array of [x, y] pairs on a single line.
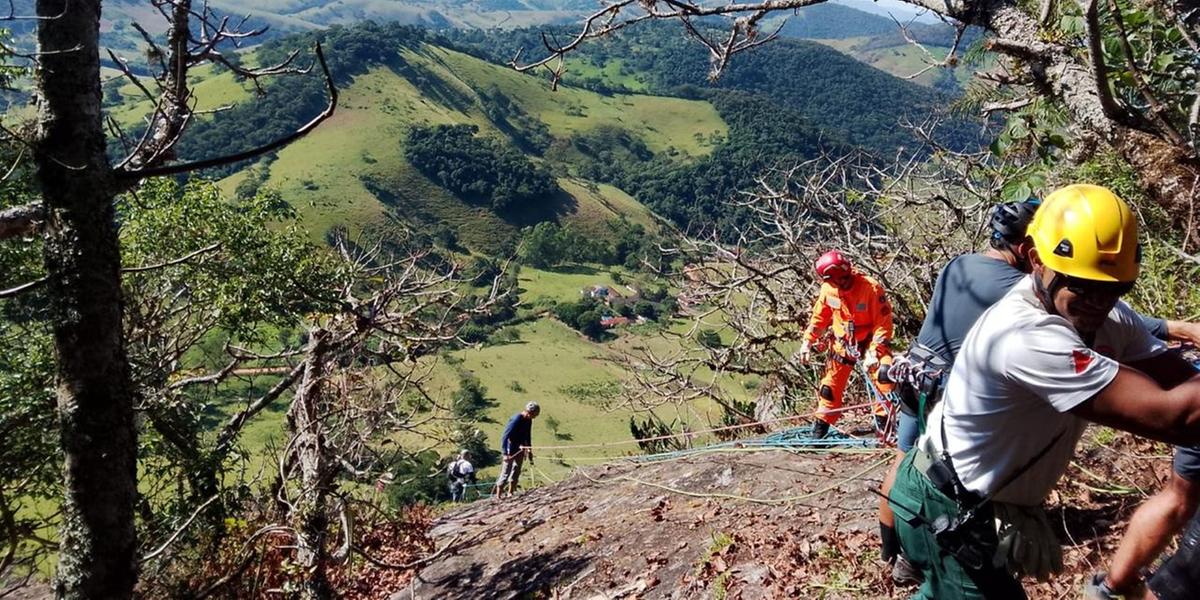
[[564, 284], [210, 89], [325, 175], [902, 61], [611, 73], [322, 173], [572, 379], [663, 123], [598, 205]]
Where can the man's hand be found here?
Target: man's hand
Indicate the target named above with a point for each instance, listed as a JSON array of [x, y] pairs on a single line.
[[1187, 332], [507, 458], [804, 354], [871, 361]]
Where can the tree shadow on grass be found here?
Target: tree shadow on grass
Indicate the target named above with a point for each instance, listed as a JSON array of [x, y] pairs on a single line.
[[573, 269], [553, 208]]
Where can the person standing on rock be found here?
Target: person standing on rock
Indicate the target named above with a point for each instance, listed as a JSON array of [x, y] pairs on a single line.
[[461, 472], [853, 320], [514, 445], [1057, 352]]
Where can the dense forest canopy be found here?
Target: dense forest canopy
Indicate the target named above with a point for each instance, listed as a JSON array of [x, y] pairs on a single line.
[[478, 169]]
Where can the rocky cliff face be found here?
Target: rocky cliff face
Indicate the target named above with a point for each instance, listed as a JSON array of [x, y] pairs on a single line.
[[738, 523], [729, 524]]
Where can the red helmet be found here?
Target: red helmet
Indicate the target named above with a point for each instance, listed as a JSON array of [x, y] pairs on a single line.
[[832, 263]]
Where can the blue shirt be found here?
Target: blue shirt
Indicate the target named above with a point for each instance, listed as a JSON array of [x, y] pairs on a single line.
[[516, 434], [967, 286]]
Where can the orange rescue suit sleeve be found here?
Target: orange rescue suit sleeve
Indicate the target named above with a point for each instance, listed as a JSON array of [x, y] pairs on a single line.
[[822, 315], [881, 318]]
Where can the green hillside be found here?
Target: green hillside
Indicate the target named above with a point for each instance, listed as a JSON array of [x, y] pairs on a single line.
[[351, 171], [826, 88]]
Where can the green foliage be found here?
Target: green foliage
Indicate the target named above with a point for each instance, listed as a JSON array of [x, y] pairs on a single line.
[[643, 430], [419, 478], [647, 309], [823, 86], [541, 245], [708, 338], [570, 312], [293, 101], [695, 195], [478, 169], [470, 401], [599, 392], [588, 323], [547, 245], [258, 269], [528, 132]]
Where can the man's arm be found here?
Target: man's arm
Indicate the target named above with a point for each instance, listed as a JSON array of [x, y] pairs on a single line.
[[1168, 369], [506, 438], [819, 319], [1136, 403], [884, 327]]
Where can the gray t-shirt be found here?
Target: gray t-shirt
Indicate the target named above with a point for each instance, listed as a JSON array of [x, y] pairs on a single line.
[[967, 286]]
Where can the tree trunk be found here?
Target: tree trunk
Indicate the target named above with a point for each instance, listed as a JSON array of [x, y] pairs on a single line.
[[310, 516], [82, 259]]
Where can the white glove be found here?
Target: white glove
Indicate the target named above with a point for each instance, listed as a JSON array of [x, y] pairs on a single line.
[[871, 361], [804, 354], [1028, 545]]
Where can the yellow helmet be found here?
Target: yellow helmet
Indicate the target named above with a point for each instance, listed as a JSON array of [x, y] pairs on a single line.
[[1086, 231]]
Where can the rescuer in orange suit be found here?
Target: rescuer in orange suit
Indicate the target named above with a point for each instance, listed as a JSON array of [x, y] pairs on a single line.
[[853, 321]]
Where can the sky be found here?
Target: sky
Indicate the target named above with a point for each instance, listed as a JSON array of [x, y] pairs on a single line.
[[901, 10]]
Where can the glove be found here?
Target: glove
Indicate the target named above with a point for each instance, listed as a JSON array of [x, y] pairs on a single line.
[[804, 354], [1096, 588], [1028, 545], [870, 361]]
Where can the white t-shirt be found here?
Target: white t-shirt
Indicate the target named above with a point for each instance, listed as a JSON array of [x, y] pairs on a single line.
[[1018, 374]]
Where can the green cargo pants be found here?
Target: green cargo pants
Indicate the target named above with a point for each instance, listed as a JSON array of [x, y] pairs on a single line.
[[946, 577]]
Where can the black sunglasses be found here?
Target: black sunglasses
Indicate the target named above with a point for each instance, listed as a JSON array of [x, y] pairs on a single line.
[[1093, 288]]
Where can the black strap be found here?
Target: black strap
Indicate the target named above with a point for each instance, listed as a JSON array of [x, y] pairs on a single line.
[[1007, 482]]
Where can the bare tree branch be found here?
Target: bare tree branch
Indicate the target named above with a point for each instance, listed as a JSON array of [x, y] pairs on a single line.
[[21, 220], [141, 173]]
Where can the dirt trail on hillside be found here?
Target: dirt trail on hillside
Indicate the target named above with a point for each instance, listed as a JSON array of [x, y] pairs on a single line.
[[769, 524]]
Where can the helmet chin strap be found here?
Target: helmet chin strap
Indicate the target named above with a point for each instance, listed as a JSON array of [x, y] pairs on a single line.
[[1045, 294]]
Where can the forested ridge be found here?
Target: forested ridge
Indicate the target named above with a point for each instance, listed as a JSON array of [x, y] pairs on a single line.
[[822, 85], [774, 117]]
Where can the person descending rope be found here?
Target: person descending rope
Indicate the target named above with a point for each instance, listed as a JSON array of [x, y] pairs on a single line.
[[853, 310], [514, 446], [1059, 350], [461, 474]]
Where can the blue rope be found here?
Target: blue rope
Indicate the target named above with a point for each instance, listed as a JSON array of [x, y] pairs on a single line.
[[796, 438]]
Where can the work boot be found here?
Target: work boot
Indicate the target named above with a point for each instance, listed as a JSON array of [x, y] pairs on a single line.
[[820, 429], [904, 573]]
